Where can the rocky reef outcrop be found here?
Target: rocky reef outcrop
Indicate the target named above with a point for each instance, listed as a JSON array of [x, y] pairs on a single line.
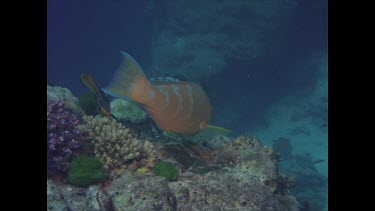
[[242, 175], [65, 95]]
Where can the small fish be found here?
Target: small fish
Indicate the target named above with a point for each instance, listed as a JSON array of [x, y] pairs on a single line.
[[181, 107], [318, 161], [102, 99]]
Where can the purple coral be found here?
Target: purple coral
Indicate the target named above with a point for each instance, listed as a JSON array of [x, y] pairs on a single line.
[[63, 137]]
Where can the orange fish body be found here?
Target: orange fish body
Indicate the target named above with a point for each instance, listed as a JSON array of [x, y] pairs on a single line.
[[179, 107]]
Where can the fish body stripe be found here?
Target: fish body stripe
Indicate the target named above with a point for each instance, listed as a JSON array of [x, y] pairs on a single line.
[[140, 89], [151, 95], [133, 86], [191, 99], [166, 94], [178, 95]]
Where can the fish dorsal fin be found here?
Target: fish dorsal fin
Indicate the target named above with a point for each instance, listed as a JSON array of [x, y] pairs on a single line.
[[89, 81], [102, 99], [164, 79], [217, 128], [129, 81], [161, 83]]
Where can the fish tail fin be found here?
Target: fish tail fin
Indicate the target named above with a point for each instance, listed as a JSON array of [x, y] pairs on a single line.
[[221, 129], [129, 81]]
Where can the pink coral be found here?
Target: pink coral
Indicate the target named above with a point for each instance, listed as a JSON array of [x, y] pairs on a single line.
[[63, 136]]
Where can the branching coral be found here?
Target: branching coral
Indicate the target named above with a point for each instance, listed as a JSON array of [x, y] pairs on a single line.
[[114, 145], [62, 136]]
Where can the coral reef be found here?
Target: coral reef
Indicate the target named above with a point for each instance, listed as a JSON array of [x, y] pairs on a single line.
[[63, 138], [55, 199], [199, 39], [68, 197], [146, 192], [245, 177], [114, 145], [210, 141], [166, 169], [248, 157], [86, 170], [124, 110], [188, 156], [63, 94]]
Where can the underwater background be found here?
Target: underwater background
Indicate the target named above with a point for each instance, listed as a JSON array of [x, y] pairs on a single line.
[[263, 64]]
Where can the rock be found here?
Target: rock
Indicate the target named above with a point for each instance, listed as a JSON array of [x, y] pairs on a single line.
[[142, 192], [55, 199], [226, 191], [245, 155], [187, 155], [98, 199], [212, 141], [242, 175], [75, 197], [60, 93], [67, 197], [245, 178]]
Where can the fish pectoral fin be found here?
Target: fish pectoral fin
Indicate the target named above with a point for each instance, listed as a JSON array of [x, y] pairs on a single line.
[[221, 129]]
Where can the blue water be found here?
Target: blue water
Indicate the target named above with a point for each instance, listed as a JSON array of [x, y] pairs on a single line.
[[87, 36], [259, 96]]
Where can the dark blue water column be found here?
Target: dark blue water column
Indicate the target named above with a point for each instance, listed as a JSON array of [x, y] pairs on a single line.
[[86, 36]]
